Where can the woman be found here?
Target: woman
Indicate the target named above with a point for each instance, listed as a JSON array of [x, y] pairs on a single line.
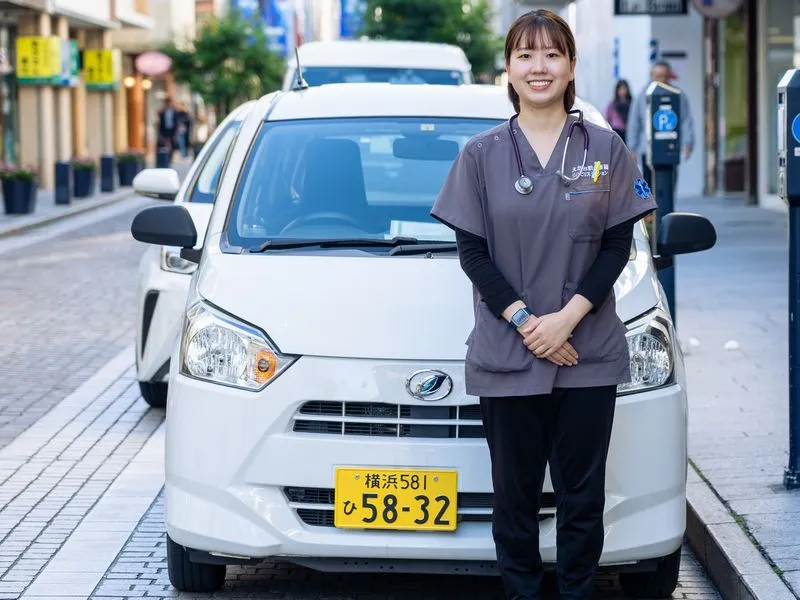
[[547, 349], [617, 110]]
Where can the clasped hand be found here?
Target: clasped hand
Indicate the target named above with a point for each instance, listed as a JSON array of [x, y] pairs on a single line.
[[546, 337]]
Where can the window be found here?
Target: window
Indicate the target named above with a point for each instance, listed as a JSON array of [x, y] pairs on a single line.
[[346, 178], [205, 186], [323, 75]]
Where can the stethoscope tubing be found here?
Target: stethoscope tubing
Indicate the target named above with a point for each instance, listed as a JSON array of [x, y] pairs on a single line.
[[524, 184]]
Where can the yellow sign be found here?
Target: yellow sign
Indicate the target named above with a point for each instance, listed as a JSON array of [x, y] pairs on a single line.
[[103, 68], [373, 498], [38, 60]]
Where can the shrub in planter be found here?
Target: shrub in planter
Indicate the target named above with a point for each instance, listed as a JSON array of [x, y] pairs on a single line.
[[129, 163], [83, 174], [20, 185]]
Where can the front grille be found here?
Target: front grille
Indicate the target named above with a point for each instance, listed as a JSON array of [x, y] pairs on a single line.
[[475, 507], [378, 419]]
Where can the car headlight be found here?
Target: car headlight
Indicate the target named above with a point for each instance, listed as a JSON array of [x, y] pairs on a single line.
[[217, 348], [652, 354], [171, 261]]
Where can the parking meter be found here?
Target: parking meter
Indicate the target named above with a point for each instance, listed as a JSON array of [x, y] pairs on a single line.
[[663, 156], [789, 190]]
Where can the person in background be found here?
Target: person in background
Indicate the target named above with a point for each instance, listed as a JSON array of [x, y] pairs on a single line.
[[617, 110], [182, 131], [637, 139], [167, 124]]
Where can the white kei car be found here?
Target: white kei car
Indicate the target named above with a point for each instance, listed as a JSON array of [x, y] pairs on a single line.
[[163, 279], [317, 411]]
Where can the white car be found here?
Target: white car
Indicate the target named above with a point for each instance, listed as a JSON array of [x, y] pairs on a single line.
[[317, 409], [163, 278], [383, 61]]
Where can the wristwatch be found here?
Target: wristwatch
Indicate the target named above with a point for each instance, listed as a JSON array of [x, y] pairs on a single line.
[[519, 317]]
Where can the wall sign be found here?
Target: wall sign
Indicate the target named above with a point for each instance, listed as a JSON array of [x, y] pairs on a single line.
[[102, 68], [653, 8], [717, 9], [38, 60]]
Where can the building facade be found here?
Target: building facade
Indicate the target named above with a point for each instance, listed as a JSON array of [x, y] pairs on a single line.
[[58, 68]]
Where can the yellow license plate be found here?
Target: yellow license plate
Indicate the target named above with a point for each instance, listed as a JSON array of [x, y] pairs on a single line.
[[369, 498]]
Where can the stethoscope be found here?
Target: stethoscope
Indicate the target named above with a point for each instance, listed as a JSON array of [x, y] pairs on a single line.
[[524, 185]]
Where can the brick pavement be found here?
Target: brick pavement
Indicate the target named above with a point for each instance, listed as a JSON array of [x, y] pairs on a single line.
[[141, 569], [737, 292]]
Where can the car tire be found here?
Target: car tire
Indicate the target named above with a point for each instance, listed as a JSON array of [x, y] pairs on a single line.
[[154, 393], [654, 584], [188, 576]]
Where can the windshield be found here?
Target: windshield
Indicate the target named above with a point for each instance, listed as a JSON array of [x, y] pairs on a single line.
[[323, 75], [205, 187], [343, 179]]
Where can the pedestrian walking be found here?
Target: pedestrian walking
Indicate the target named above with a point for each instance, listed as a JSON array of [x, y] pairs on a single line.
[[618, 109], [544, 227]]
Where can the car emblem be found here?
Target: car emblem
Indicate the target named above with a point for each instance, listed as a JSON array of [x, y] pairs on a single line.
[[429, 385]]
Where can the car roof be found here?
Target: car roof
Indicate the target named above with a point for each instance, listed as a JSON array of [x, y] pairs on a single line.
[[381, 53], [342, 100]]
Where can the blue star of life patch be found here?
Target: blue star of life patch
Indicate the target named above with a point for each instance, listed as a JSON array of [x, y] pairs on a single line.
[[641, 188]]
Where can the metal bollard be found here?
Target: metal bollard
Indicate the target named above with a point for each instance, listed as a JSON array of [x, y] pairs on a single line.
[[107, 165], [163, 158], [63, 185]]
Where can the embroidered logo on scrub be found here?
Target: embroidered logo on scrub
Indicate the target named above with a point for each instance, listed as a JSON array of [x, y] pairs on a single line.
[[641, 188], [597, 170]]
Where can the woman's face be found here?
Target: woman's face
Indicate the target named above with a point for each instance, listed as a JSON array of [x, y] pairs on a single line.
[[540, 76], [622, 92]]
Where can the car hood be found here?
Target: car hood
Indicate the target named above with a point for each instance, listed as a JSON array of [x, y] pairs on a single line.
[[341, 304]]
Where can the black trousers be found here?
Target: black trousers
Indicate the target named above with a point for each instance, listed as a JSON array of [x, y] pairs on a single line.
[[571, 429]]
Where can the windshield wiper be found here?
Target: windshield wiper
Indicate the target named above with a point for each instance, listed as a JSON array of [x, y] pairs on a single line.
[[333, 243], [428, 249]]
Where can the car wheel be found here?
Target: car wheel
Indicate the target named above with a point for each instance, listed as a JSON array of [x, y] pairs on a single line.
[[654, 584], [187, 576], [154, 393]]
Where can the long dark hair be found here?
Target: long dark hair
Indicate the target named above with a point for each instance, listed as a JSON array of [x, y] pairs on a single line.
[[620, 83], [532, 30]]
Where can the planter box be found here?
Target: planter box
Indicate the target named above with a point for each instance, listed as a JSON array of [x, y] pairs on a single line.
[[83, 180], [127, 170], [19, 197]]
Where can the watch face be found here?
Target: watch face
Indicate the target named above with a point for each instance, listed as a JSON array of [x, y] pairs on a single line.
[[520, 317]]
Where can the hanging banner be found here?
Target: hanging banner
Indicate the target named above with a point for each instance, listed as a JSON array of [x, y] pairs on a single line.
[[70, 64], [275, 15], [38, 60], [352, 19], [103, 68]]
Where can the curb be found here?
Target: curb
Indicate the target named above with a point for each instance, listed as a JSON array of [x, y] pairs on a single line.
[[734, 564], [84, 206]]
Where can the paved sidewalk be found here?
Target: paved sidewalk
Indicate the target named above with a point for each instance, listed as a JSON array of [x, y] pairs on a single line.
[[736, 295], [47, 211]]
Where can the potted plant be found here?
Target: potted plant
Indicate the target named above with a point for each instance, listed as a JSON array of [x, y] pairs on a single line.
[[83, 175], [129, 163], [20, 185]]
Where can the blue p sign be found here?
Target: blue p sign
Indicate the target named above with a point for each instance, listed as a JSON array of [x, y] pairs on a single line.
[[665, 119]]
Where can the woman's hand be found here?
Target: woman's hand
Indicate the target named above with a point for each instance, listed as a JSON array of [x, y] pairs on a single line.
[[546, 335], [564, 355]]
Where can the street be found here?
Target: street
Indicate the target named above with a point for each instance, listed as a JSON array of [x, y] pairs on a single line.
[[81, 454]]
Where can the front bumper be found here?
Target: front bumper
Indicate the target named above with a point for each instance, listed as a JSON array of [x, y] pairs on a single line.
[[161, 305], [235, 461]]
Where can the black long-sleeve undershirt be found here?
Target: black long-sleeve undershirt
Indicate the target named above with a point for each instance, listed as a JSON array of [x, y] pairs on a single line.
[[615, 247]]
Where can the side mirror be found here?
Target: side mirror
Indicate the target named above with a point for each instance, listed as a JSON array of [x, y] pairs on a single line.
[[162, 184], [166, 226], [684, 233]]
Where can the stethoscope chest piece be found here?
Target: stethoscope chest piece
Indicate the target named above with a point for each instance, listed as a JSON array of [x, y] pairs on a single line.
[[523, 185]]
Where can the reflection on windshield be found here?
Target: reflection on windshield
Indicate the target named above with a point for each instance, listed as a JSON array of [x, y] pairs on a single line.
[[347, 178], [323, 75]]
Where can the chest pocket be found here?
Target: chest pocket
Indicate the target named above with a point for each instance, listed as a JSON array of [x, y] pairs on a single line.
[[588, 210]]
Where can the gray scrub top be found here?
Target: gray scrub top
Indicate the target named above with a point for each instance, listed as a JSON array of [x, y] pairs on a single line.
[[544, 244]]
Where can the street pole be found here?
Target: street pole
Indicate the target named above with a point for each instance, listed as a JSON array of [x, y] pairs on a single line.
[[789, 190], [663, 182]]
